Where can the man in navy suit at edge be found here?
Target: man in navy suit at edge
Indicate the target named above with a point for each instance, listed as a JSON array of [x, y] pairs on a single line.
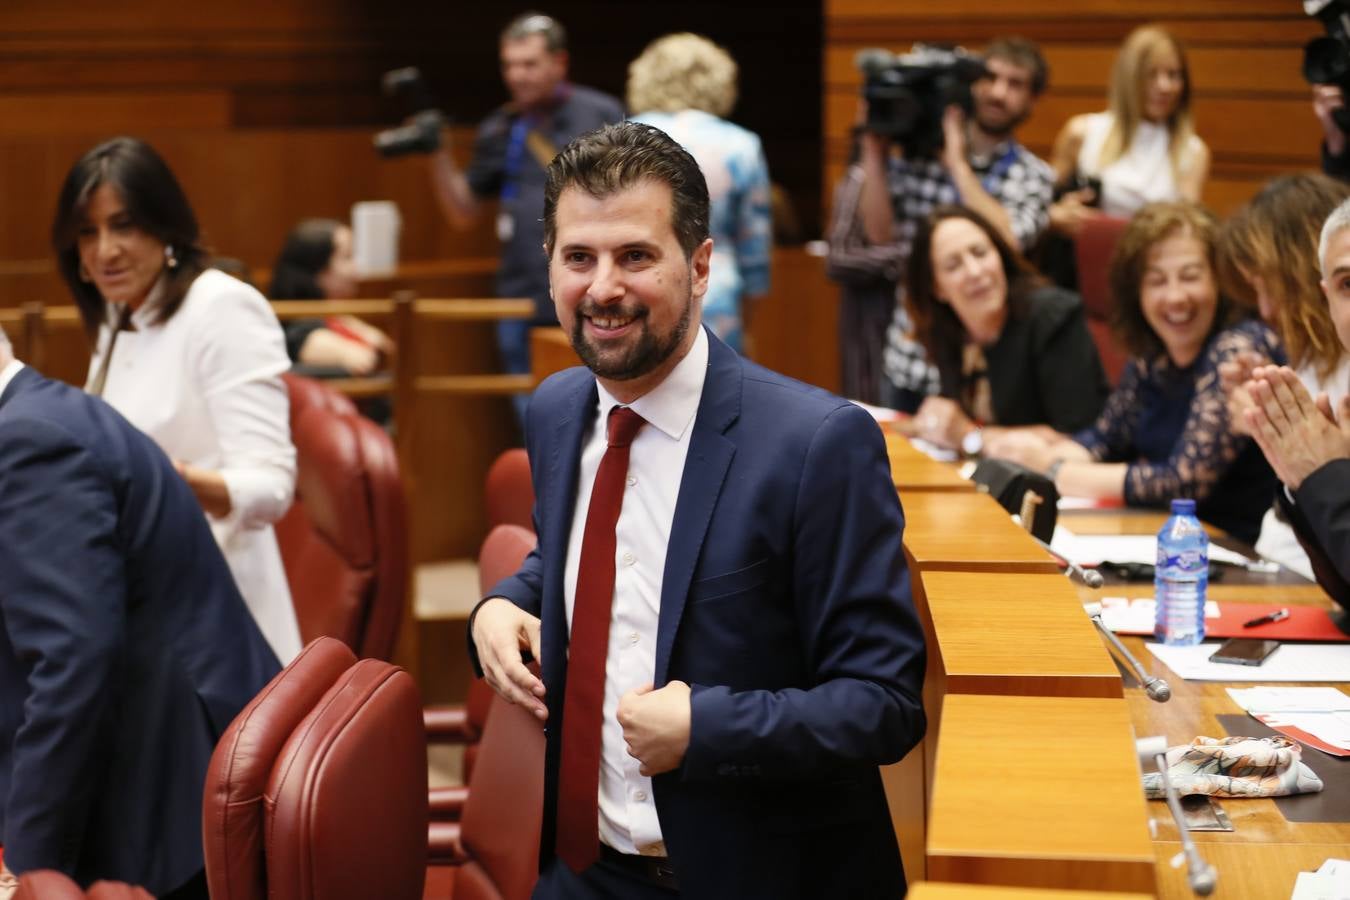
[[719, 600], [125, 648]]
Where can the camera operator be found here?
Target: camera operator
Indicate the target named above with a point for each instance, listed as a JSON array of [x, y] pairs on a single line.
[[512, 148], [1327, 98], [1326, 67], [982, 166]]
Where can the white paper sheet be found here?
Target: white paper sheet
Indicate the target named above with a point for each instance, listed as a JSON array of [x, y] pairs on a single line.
[[1291, 699], [1290, 662], [1093, 549]]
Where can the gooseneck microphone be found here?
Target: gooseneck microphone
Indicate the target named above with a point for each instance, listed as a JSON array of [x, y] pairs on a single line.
[[1090, 577], [1200, 875], [1155, 688]]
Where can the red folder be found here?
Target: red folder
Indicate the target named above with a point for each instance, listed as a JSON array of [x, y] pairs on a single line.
[[1305, 623]]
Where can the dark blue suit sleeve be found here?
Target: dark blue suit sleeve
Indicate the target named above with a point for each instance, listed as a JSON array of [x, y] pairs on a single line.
[[856, 623], [62, 602]]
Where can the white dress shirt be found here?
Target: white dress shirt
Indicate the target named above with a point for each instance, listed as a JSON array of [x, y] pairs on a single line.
[[628, 821], [206, 387], [7, 374]]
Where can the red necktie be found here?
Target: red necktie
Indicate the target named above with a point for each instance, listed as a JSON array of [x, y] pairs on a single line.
[[583, 703]]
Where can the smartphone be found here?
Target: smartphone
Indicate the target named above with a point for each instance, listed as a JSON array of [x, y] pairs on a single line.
[[1244, 651]]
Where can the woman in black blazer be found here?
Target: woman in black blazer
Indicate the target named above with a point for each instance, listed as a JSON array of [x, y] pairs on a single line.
[[1010, 349]]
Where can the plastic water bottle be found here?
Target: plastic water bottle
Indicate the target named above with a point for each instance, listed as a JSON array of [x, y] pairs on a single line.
[[1181, 577]]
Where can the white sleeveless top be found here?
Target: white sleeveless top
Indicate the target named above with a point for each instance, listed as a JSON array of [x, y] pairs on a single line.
[[1142, 175]]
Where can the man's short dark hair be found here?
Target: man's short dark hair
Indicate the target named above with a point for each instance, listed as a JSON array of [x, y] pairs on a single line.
[[616, 157], [528, 23], [1021, 52]]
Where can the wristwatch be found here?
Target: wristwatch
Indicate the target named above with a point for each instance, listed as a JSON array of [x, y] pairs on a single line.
[[973, 443]]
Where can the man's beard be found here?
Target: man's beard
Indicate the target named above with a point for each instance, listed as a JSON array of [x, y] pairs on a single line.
[[643, 356], [1004, 128]]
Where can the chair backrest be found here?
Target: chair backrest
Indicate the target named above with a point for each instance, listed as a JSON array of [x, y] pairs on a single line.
[[308, 392], [344, 541], [1093, 247], [44, 884], [346, 800], [232, 808], [505, 809], [503, 550], [509, 491]]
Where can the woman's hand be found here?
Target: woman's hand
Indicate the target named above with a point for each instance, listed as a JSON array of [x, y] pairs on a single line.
[[1069, 212], [370, 334], [940, 421], [1021, 446], [209, 486], [1234, 375]]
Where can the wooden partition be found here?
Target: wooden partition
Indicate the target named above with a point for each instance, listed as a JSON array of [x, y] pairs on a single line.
[[1251, 105]]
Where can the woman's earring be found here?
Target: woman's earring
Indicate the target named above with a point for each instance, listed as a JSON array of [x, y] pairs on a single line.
[[84, 274], [169, 259]]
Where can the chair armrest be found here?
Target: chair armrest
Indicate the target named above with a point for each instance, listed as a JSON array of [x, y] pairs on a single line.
[[449, 725], [444, 844], [447, 803]]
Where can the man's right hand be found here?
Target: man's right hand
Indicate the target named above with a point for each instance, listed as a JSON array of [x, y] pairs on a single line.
[[501, 630]]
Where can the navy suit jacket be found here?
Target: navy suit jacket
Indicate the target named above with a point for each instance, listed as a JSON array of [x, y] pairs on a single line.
[[125, 649], [785, 605]]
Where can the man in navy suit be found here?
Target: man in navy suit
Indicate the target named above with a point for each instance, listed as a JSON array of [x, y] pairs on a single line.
[[125, 648], [758, 653]]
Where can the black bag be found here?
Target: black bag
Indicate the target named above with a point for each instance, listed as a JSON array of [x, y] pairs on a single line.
[[1008, 483]]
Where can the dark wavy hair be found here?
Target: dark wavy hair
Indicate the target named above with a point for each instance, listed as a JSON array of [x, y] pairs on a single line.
[[306, 253], [936, 325], [156, 204], [1150, 226]]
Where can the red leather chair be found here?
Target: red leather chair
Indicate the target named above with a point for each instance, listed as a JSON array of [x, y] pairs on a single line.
[[307, 392], [497, 840], [1093, 247], [502, 553], [509, 490], [344, 541], [317, 790], [44, 884]]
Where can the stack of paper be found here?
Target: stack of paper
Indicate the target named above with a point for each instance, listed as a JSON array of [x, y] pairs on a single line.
[[1316, 716], [1125, 616], [1331, 882], [1093, 549], [1289, 662]]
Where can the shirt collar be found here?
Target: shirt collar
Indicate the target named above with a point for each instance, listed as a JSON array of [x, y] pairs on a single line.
[[7, 374], [671, 405]]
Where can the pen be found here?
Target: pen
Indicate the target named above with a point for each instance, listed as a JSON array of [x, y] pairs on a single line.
[[1277, 616]]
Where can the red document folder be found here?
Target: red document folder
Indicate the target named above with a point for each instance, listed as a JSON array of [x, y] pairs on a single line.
[[1305, 623]]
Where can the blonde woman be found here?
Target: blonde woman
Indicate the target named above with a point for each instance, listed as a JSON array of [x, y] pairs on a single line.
[[1144, 148], [684, 85]]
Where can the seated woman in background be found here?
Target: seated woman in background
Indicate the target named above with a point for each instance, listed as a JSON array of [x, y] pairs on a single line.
[[1010, 350], [1143, 149], [316, 264], [1268, 261], [685, 85], [1165, 430], [189, 355]]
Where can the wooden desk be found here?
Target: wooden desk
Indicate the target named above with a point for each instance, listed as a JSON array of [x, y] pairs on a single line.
[[1039, 792], [1262, 857], [931, 890], [913, 470], [1014, 635], [968, 532]]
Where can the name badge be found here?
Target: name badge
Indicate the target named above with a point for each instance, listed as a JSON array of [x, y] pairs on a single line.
[[506, 226]]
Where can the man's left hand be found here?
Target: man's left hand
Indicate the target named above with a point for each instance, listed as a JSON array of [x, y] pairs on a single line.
[[1297, 435], [656, 726]]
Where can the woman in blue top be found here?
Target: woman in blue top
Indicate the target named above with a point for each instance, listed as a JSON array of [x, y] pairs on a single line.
[[1164, 432], [683, 84]]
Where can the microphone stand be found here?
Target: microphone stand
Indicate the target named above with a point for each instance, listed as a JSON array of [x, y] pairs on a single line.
[[1156, 689], [1200, 875]]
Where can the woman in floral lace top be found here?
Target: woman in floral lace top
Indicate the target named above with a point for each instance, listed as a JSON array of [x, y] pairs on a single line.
[[1164, 432]]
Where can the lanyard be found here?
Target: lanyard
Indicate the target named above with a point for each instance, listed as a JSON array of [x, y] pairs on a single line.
[[515, 155]]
